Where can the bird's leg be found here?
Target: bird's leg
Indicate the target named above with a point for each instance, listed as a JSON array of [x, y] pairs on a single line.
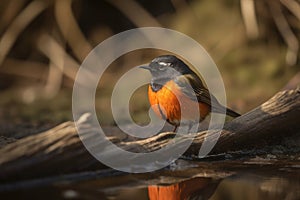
[[175, 129]]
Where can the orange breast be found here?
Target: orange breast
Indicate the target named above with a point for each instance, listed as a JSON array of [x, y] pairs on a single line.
[[172, 104]]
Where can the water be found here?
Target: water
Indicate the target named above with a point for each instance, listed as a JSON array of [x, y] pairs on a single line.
[[217, 180]]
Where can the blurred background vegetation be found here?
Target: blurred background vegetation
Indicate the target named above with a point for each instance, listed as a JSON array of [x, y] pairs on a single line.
[[255, 44]]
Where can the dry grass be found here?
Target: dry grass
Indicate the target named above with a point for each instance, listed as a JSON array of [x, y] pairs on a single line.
[[42, 44]]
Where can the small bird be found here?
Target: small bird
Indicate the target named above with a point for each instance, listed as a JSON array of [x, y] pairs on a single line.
[[175, 91]]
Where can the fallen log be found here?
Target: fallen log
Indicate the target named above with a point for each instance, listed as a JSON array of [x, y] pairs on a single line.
[[59, 150]]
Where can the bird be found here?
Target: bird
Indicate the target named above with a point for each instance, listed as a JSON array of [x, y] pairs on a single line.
[[175, 90]]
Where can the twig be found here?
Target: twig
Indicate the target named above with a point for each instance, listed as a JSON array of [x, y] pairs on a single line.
[[179, 5], [18, 25], [60, 58], [22, 68], [54, 80], [140, 17], [57, 55], [55, 75], [293, 6], [70, 29], [286, 32], [10, 9], [249, 17]]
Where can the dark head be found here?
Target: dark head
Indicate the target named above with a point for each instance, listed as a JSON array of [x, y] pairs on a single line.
[[165, 68]]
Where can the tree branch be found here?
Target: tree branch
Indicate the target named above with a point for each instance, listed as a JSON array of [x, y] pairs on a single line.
[[60, 150]]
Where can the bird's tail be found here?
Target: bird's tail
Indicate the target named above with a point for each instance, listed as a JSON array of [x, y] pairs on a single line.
[[219, 108], [232, 113]]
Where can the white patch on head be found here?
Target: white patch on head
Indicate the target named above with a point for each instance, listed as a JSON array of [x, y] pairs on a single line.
[[164, 64]]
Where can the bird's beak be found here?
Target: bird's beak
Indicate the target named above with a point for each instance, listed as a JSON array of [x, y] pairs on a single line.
[[145, 67]]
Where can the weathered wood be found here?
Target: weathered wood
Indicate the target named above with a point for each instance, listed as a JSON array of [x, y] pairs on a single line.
[[60, 150]]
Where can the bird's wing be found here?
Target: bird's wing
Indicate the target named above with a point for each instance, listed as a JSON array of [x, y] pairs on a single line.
[[193, 87]]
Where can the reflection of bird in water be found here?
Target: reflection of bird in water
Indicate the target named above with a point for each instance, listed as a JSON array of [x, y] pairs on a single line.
[[174, 84], [196, 188]]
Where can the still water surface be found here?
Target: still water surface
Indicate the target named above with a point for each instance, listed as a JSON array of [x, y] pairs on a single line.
[[206, 180]]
